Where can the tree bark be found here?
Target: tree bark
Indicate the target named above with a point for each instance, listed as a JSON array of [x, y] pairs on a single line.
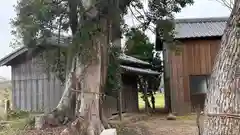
[[87, 82], [222, 103], [91, 78]]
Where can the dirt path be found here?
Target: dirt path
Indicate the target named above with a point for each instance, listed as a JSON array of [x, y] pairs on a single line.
[[158, 125], [161, 126], [139, 124]]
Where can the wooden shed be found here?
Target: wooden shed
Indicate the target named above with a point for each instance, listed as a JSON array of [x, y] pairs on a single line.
[[187, 72], [34, 90]]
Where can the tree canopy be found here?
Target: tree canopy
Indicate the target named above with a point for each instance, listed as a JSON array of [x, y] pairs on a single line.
[[138, 44], [37, 20], [40, 18]]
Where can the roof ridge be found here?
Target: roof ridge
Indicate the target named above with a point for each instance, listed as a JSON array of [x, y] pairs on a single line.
[[198, 20]]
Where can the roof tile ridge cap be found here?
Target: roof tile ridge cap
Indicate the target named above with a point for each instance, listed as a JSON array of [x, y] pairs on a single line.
[[201, 20]]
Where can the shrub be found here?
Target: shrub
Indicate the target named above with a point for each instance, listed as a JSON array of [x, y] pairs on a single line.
[[17, 114]]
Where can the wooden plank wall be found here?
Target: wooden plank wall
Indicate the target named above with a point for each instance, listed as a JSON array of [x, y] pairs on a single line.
[[129, 101], [176, 81], [196, 58], [34, 90]]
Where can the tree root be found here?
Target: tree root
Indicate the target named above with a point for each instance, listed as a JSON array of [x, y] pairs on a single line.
[[49, 120], [77, 127], [82, 126]]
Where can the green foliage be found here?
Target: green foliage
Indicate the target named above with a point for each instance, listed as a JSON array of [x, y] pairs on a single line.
[[37, 20], [158, 10], [30, 122], [17, 114], [54, 60], [113, 83], [138, 44]]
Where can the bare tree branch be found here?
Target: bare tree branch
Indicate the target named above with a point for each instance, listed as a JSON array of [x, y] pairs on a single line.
[[227, 3], [151, 28]]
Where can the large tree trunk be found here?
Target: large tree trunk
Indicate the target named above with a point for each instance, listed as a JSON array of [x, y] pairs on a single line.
[[223, 98], [91, 78], [84, 88], [84, 84]]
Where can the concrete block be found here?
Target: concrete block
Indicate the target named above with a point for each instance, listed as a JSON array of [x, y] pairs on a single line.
[[111, 131]]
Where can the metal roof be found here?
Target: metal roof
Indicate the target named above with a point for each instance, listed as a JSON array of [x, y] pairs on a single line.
[[200, 27], [123, 57], [140, 70], [12, 56]]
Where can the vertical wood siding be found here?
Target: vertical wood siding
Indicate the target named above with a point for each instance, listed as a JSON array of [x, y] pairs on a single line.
[[197, 58], [176, 71], [34, 90], [129, 101]]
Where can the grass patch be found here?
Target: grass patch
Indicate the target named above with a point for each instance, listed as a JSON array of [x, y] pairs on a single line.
[[14, 127], [159, 100], [17, 122], [12, 115]]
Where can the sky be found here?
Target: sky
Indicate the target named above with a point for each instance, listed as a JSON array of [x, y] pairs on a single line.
[[200, 9]]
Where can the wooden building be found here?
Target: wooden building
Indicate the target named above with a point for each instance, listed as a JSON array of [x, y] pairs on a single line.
[[34, 90], [187, 72]]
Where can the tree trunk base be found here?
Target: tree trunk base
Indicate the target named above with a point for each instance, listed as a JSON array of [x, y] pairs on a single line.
[[80, 126], [52, 119], [83, 127]]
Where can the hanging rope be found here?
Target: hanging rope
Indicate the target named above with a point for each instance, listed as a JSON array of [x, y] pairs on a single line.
[[89, 92], [236, 116]]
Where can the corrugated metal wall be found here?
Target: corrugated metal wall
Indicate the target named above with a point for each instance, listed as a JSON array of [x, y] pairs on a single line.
[[34, 90]]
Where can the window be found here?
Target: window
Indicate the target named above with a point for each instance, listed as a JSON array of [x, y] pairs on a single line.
[[199, 83]]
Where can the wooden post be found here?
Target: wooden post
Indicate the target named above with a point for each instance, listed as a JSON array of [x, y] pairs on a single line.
[[145, 97], [153, 101], [168, 94], [7, 108], [120, 104]]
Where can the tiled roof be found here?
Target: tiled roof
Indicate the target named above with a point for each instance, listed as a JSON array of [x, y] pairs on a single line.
[[131, 59], [140, 70], [200, 27]]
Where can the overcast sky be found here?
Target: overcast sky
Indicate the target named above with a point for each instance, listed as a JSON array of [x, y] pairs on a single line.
[[201, 8]]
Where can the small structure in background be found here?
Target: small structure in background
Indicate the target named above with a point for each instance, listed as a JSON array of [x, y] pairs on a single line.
[[35, 90], [198, 43]]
